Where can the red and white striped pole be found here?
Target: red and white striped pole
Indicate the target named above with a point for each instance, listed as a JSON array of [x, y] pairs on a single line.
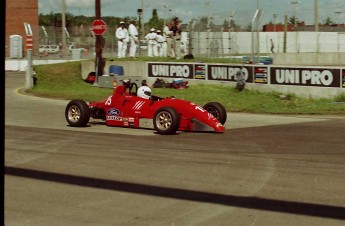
[[29, 43]]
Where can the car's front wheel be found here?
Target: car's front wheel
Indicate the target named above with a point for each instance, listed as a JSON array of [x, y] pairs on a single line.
[[77, 113], [166, 121], [217, 110]]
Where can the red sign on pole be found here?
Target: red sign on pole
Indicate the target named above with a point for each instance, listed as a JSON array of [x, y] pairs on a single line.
[[99, 27]]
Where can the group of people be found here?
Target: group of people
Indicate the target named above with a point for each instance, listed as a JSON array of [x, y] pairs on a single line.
[[165, 43], [124, 37]]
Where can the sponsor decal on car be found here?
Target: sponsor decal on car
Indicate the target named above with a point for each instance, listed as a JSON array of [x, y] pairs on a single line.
[[114, 118], [138, 105], [210, 116], [113, 111]]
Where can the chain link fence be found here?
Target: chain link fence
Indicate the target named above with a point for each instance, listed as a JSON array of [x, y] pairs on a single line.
[[203, 37]]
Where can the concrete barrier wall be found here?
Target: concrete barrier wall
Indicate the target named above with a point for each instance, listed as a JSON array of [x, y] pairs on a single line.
[[21, 65], [132, 68], [318, 85], [313, 59], [257, 80], [296, 42]]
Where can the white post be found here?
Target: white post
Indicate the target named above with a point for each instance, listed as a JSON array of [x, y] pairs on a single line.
[[208, 28], [29, 73], [255, 27]]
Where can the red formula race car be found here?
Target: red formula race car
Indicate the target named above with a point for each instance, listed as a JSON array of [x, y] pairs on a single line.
[[125, 108]]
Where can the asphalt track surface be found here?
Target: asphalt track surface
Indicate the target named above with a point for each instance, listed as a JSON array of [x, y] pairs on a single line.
[[264, 170]]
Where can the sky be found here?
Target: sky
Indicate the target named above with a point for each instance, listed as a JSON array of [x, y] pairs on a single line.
[[220, 10]]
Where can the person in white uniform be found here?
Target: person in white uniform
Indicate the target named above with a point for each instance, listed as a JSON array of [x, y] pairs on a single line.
[[133, 38], [162, 45], [122, 36], [151, 38]]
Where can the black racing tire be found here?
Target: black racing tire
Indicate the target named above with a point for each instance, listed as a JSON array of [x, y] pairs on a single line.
[[77, 113], [217, 110], [166, 120]]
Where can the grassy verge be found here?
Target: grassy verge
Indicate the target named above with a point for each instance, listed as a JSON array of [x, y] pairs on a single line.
[[64, 81]]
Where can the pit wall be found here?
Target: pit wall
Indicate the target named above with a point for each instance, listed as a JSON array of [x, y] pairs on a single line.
[[220, 44], [311, 59], [305, 81]]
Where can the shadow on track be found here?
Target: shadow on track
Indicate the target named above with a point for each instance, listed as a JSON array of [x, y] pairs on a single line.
[[309, 209]]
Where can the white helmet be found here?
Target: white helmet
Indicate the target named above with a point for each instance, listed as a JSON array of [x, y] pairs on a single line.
[[144, 92]]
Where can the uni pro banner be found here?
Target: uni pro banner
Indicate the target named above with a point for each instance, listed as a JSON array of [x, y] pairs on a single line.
[[217, 72], [185, 71], [318, 77]]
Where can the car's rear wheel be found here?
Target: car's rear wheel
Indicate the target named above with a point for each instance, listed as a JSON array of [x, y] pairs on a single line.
[[166, 121], [217, 110], [77, 113]]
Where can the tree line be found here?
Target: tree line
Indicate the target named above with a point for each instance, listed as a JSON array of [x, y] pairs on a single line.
[[55, 19]]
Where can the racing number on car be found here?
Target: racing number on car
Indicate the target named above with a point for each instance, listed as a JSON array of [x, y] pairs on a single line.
[[210, 116], [108, 102], [199, 108]]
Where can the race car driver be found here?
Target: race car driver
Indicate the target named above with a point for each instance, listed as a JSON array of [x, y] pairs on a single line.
[[144, 92]]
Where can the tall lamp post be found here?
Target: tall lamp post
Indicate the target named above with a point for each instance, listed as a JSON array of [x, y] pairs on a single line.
[[274, 21], [338, 16], [165, 14], [294, 3], [141, 32], [316, 15], [63, 25], [142, 16], [208, 5]]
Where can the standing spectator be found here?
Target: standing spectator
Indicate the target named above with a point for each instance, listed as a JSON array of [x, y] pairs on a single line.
[[272, 46], [168, 36], [161, 44], [133, 38], [61, 52], [122, 40], [152, 43], [144, 83], [241, 79], [177, 30]]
